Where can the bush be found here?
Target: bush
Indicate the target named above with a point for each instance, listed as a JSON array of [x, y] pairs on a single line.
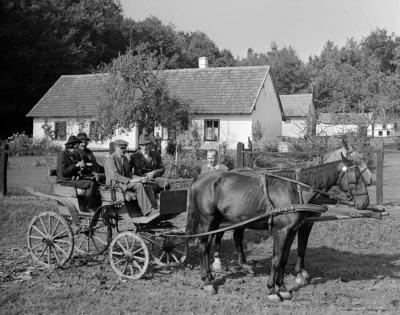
[[22, 144]]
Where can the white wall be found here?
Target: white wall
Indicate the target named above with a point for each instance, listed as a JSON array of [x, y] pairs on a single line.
[[334, 130], [267, 111], [73, 129], [381, 130], [294, 127], [233, 129]]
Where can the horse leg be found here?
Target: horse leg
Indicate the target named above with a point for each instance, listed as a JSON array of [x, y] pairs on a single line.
[[280, 236], [238, 236], [216, 265], [303, 235], [206, 275], [283, 291]]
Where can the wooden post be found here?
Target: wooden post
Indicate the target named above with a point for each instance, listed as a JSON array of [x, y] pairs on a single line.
[[240, 154], [111, 147], [379, 174], [3, 167]]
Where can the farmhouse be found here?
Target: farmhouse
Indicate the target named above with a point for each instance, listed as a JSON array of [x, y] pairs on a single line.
[[226, 103], [300, 115]]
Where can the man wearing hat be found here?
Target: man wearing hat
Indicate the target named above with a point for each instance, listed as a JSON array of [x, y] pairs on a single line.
[[70, 172], [147, 163], [87, 155], [118, 172]]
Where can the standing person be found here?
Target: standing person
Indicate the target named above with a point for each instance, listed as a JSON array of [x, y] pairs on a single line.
[[212, 163], [147, 163], [87, 155], [118, 172], [71, 170]]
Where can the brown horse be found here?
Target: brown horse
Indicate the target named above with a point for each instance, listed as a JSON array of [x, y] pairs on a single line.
[[304, 231], [235, 197]]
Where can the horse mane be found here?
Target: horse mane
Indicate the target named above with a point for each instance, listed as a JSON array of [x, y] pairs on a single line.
[[321, 175]]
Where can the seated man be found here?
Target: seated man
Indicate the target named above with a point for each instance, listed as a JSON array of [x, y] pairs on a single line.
[[147, 163], [87, 155], [119, 173], [70, 172], [212, 163]]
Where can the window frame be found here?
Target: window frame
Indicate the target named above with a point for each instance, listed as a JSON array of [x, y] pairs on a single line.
[[57, 135], [218, 129]]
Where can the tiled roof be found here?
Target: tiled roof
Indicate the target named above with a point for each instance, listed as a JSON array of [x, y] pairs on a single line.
[[296, 105], [230, 90]]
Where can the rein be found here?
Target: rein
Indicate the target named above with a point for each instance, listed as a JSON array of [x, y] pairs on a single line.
[[299, 183]]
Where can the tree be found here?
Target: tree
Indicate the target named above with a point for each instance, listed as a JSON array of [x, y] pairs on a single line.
[[135, 93]]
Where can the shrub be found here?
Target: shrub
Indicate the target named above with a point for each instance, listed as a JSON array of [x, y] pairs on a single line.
[[22, 144]]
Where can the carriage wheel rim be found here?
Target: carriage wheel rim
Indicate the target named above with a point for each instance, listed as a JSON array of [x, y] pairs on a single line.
[[50, 240], [171, 252], [129, 256]]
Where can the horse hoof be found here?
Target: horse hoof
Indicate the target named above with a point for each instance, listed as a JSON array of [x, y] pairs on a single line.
[[210, 289], [274, 297], [286, 295], [300, 279]]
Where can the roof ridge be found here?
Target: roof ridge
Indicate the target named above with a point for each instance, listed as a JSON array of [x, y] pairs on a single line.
[[217, 68]]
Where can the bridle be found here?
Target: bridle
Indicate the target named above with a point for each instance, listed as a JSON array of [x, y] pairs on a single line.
[[351, 181], [349, 157]]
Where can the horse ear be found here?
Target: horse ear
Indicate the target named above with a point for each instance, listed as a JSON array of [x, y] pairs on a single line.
[[345, 144]]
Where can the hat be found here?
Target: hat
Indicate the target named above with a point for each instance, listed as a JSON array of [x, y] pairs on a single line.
[[83, 136], [120, 143], [73, 139], [144, 139]]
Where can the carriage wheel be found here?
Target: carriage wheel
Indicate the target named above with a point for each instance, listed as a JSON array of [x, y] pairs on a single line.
[[50, 239], [129, 255], [92, 241], [168, 251]]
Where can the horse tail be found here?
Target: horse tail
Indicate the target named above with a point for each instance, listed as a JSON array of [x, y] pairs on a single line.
[[192, 221]]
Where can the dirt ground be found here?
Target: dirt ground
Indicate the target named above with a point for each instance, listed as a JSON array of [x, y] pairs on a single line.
[[354, 267]]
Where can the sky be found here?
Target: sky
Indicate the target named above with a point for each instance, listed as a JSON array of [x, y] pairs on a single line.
[[306, 25]]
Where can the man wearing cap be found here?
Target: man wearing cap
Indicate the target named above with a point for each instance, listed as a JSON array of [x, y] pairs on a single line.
[[118, 172], [87, 155], [70, 172], [147, 163]]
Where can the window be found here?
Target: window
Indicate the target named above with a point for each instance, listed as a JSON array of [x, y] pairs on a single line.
[[388, 132], [380, 133], [60, 130], [94, 130], [211, 130]]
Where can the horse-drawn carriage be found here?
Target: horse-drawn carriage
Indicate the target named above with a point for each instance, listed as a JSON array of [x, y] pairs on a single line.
[[231, 196], [54, 237]]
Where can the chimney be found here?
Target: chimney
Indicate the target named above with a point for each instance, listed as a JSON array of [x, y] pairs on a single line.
[[203, 62]]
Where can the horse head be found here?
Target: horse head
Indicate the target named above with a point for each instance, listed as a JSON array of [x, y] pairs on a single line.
[[350, 153], [352, 183]]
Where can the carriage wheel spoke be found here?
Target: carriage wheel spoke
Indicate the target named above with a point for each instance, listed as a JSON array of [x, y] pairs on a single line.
[[60, 249], [132, 246], [117, 253], [137, 265], [126, 242], [44, 228], [120, 245], [100, 240], [62, 241], [35, 237], [139, 258], [118, 261], [137, 251], [123, 269], [36, 246], [43, 251], [176, 259], [179, 252], [55, 228], [49, 255], [161, 257], [58, 235], [87, 243], [131, 269], [56, 255], [49, 222], [40, 231]]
